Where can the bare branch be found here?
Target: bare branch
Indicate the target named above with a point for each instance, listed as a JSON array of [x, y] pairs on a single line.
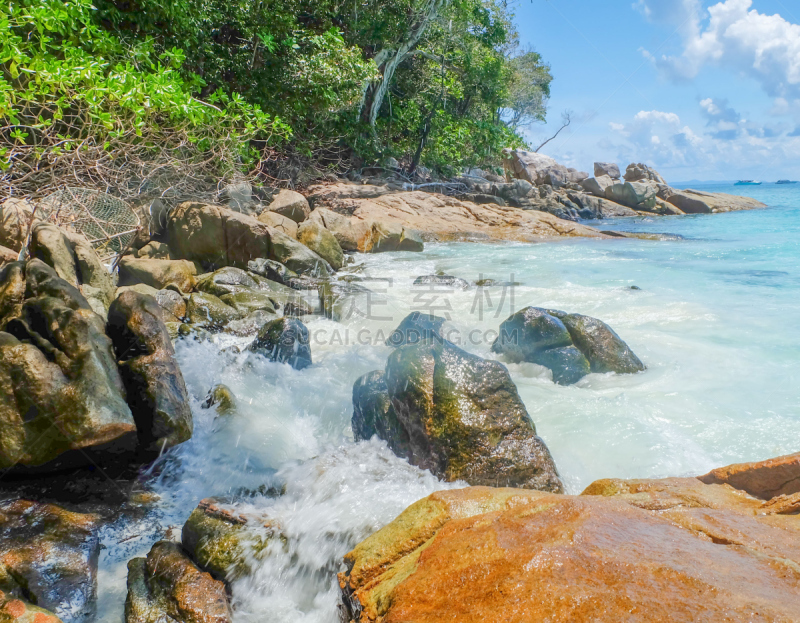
[[566, 119]]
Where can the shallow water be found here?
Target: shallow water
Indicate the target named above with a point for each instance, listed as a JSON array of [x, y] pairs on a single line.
[[714, 320]]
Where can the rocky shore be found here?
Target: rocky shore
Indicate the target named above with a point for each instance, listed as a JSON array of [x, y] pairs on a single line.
[[90, 384]]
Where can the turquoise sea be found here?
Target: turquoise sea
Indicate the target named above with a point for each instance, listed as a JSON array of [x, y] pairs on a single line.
[[714, 318]]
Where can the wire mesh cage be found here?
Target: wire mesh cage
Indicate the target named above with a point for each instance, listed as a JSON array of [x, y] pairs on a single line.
[[107, 222]]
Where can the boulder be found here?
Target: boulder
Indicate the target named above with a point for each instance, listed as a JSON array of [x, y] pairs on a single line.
[[385, 237], [75, 261], [239, 196], [48, 556], [222, 397], [224, 542], [245, 291], [277, 221], [373, 414], [608, 169], [649, 551], [604, 349], [153, 250], [570, 345], [535, 168], [642, 172], [574, 176], [349, 232], [290, 204], [197, 233], [272, 270], [442, 281], [599, 207], [285, 340], [763, 479], [461, 417], [248, 302], [210, 312], [19, 611], [153, 381], [7, 256], [636, 195], [15, 218], [228, 280], [415, 328], [298, 257], [689, 204], [168, 587], [341, 300], [322, 242], [61, 390], [158, 274], [173, 306], [597, 185]]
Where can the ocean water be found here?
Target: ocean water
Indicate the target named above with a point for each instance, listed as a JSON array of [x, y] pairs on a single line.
[[714, 319]]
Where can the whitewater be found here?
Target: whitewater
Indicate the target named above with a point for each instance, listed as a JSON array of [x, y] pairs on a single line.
[[711, 309]]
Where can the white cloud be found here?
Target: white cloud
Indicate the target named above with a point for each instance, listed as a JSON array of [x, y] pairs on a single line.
[[729, 147], [764, 47]]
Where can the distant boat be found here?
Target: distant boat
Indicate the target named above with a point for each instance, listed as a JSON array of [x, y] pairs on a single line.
[[747, 183], [786, 182]]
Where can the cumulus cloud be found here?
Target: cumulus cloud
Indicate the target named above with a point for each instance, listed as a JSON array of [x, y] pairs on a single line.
[[729, 142], [731, 34]]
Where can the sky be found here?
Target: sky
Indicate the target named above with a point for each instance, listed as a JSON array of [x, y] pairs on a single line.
[[700, 90]]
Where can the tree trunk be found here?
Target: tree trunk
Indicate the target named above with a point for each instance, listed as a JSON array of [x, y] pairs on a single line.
[[388, 60]]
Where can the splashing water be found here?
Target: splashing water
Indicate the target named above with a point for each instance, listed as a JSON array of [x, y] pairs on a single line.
[[714, 321]]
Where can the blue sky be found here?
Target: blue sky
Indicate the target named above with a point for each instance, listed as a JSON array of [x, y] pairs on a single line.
[[700, 90]]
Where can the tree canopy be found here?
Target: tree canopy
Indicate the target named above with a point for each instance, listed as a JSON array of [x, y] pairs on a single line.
[[434, 82]]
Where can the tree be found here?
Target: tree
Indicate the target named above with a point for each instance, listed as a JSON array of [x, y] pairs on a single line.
[[529, 90]]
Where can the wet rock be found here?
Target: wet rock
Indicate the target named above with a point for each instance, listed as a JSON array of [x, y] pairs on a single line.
[[279, 222], [763, 479], [571, 345], [598, 342], [271, 269], [15, 218], [322, 242], [606, 168], [167, 586], [17, 611], [463, 419], [221, 397], [153, 380], [224, 542], [248, 302], [298, 257], [341, 300], [228, 280], [61, 390], [447, 281], [48, 556], [250, 325], [373, 414], [415, 328], [290, 204], [668, 550], [285, 340], [158, 273], [172, 304], [208, 311]]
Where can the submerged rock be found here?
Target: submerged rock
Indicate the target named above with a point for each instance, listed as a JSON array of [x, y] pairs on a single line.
[[48, 556], [168, 587], [156, 391], [222, 397], [210, 312], [646, 550], [570, 345], [448, 281], [60, 387], [285, 340], [18, 611], [457, 415], [222, 542]]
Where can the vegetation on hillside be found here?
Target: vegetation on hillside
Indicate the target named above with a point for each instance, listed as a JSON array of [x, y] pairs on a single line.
[[210, 86]]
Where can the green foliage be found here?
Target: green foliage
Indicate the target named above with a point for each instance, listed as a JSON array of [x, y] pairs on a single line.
[[66, 83]]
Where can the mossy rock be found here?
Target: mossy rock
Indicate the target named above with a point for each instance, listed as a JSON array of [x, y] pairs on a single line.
[[208, 311], [322, 242]]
